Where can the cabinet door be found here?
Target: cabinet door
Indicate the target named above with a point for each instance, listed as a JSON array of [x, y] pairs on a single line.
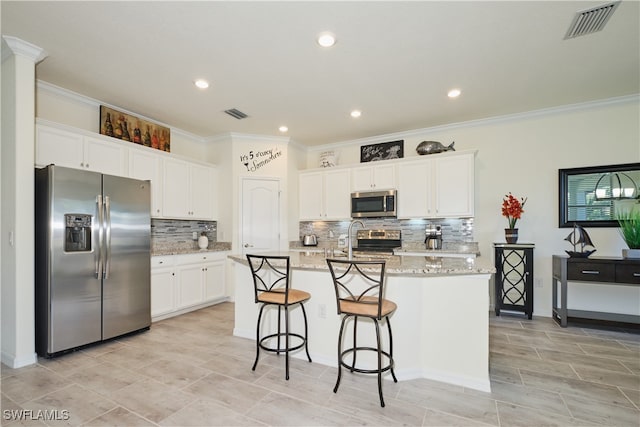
[[310, 195], [337, 197], [384, 177], [54, 146], [175, 184], [214, 280], [454, 186], [201, 195], [143, 165], [162, 292], [414, 184], [190, 287], [375, 177], [362, 179], [101, 156]]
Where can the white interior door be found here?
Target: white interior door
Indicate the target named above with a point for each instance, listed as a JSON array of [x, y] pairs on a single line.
[[260, 229]]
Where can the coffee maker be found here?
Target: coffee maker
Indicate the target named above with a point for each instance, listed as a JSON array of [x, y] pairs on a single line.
[[433, 238]]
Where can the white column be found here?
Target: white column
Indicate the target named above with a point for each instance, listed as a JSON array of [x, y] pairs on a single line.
[[16, 192]]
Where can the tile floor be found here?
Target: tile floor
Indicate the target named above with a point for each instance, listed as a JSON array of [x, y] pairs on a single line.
[[190, 371]]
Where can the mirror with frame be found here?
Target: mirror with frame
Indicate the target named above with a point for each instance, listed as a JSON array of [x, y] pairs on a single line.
[[594, 196]]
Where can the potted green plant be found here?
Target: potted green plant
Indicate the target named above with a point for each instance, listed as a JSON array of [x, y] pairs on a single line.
[[630, 230]]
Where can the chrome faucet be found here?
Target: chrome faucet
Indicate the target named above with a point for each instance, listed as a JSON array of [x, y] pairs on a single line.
[[355, 221]]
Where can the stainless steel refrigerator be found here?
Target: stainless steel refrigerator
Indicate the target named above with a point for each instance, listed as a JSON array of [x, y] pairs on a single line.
[[93, 258]]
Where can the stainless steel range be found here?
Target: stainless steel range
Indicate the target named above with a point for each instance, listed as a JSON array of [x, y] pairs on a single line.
[[382, 241]]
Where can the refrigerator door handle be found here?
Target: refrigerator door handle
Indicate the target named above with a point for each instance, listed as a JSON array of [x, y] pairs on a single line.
[[107, 223], [98, 252]]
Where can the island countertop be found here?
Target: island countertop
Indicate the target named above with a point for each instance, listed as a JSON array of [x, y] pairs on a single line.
[[395, 264]]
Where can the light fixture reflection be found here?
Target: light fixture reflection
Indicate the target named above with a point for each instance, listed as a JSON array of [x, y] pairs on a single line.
[[615, 185]]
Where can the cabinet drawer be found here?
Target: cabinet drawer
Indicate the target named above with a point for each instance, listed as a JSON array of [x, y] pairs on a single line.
[[591, 272], [628, 273], [162, 261]]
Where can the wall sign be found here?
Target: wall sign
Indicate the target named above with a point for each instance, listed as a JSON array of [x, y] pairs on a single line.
[[384, 151], [256, 159]]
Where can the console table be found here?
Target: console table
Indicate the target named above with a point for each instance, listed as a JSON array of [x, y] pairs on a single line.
[[514, 277], [607, 271]]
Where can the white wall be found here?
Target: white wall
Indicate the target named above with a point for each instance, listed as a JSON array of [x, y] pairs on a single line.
[[69, 108], [522, 154]]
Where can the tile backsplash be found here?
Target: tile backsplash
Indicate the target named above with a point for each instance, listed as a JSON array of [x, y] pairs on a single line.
[[413, 231], [173, 232]]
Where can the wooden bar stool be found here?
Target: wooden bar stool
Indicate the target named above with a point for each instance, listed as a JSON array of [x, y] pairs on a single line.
[[272, 288], [359, 287]]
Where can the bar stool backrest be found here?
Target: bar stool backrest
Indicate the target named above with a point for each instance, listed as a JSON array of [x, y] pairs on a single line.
[[270, 274], [358, 281]]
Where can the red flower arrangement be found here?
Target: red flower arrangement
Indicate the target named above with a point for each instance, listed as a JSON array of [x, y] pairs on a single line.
[[512, 208]]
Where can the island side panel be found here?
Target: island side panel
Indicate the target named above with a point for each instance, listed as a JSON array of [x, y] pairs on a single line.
[[440, 330]]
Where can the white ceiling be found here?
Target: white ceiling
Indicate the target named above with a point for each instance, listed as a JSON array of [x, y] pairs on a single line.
[[393, 60]]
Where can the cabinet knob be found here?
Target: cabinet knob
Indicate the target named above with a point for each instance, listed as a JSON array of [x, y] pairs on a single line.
[[87, 164], [161, 262], [81, 164]]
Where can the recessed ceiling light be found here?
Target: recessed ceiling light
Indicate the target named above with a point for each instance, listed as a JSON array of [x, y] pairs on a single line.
[[201, 83], [454, 93], [283, 129], [326, 39], [356, 113]]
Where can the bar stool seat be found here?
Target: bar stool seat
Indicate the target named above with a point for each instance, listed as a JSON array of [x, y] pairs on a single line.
[[359, 288], [272, 288]]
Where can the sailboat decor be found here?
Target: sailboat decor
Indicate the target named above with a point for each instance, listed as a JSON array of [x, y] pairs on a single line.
[[579, 239]]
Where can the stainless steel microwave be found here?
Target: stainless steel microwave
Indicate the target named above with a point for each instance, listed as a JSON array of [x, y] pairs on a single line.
[[374, 204]]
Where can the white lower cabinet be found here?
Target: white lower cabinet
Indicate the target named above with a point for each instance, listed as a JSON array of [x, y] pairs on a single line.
[[182, 283], [163, 275]]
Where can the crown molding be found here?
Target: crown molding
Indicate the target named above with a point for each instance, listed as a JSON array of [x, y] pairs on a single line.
[[635, 98], [22, 48]]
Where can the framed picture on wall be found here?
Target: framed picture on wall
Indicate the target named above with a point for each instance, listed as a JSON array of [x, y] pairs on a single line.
[[382, 151], [127, 127]]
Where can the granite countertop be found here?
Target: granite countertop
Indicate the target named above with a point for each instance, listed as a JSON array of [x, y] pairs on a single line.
[[182, 248], [396, 264], [449, 249]]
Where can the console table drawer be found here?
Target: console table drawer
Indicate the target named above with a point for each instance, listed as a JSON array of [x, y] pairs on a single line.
[[591, 272], [628, 273]]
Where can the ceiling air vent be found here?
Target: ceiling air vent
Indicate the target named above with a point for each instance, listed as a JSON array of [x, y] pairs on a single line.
[[233, 112], [591, 20]]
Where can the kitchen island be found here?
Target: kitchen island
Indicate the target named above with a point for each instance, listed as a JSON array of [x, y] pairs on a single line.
[[440, 329]]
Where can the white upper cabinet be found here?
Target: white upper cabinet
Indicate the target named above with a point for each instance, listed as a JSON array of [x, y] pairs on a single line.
[[325, 195], [188, 190], [147, 165], [378, 176], [310, 199], [74, 150], [454, 186], [414, 182], [437, 187], [180, 188]]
